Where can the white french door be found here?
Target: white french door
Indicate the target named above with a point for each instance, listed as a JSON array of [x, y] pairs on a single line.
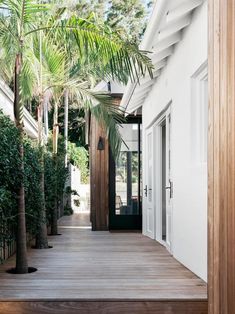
[[148, 189], [169, 183], [158, 181]]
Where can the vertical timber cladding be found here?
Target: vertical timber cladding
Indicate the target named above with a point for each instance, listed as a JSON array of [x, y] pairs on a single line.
[[99, 175], [221, 179]]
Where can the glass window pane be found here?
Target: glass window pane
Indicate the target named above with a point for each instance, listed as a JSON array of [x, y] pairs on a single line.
[[127, 172]]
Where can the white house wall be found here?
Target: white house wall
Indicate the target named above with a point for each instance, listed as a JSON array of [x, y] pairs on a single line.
[[189, 175]]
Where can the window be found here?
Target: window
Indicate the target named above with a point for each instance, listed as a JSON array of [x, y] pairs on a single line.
[[199, 115], [128, 171]]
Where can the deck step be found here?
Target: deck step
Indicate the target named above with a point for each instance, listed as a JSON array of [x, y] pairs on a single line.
[[104, 307]]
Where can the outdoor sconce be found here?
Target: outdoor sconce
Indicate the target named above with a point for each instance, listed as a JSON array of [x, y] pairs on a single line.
[[100, 145]]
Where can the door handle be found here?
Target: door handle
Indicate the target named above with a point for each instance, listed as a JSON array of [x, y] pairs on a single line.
[[146, 191], [170, 187]]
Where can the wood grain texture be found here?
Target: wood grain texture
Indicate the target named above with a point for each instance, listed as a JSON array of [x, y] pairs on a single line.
[[221, 216], [99, 174], [99, 183], [101, 266], [160, 307]]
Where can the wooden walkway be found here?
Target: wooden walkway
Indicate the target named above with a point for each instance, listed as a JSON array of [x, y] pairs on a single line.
[[101, 272]]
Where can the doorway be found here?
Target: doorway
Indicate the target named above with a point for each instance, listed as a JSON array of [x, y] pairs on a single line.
[[165, 186], [125, 197], [163, 180], [158, 205]]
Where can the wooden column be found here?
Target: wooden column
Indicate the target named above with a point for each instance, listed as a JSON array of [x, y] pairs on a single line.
[[99, 173], [99, 178], [221, 284]]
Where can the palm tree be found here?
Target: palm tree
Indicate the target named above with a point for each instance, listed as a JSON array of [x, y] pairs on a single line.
[[15, 23], [53, 69], [48, 65], [19, 22]]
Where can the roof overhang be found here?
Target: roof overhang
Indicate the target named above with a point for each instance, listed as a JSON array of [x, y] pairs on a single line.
[[6, 104], [169, 18]]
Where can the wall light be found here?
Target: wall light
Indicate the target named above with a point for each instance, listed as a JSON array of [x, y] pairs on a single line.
[[100, 145]]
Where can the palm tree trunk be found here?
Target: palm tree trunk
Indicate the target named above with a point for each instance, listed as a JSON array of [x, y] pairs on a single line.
[[41, 237], [45, 114], [54, 216], [21, 240], [66, 113]]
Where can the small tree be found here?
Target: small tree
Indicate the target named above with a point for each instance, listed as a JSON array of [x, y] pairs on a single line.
[[19, 23]]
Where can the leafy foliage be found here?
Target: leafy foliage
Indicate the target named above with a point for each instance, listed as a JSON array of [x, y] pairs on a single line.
[[68, 211], [79, 157], [127, 17], [55, 176], [32, 174], [10, 177]]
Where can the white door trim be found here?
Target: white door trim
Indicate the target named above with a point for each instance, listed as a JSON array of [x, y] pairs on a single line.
[[157, 179]]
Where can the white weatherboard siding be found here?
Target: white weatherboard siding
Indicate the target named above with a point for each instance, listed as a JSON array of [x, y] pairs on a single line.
[[189, 238]]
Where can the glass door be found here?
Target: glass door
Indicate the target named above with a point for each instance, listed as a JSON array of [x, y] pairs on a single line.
[[125, 180]]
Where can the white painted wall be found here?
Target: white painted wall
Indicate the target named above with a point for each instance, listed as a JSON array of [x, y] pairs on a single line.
[[189, 177]]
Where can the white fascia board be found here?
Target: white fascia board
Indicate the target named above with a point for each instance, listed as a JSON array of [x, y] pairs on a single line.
[[30, 124], [146, 43], [7, 91], [173, 28], [167, 42], [101, 86], [153, 24], [7, 105], [133, 107], [141, 90], [157, 57], [156, 73], [139, 97], [158, 66], [148, 83], [137, 102], [128, 94], [183, 9], [116, 87]]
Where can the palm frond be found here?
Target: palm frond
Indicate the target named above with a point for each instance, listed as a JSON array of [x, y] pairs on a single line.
[[28, 79], [101, 105], [97, 44], [110, 116]]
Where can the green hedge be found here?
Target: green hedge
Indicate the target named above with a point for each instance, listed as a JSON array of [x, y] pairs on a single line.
[[55, 176]]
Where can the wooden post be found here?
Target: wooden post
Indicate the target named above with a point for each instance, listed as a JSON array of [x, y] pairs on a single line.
[[221, 179], [99, 178]]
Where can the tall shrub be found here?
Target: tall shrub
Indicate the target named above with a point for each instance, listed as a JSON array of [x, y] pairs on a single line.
[[55, 178], [10, 176]]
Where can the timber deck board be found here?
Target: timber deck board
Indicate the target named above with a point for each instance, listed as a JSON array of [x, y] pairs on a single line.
[[85, 266]]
